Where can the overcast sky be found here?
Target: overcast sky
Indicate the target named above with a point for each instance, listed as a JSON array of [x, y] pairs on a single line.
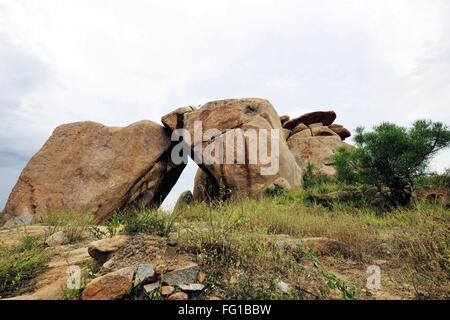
[[117, 62]]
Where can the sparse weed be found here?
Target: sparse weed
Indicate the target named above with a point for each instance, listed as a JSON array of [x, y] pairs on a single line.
[[21, 263]]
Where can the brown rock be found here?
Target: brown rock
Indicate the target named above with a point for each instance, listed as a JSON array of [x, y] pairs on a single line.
[[340, 130], [300, 127], [166, 290], [284, 118], [231, 118], [303, 133], [205, 188], [178, 296], [111, 286], [326, 117], [91, 168], [285, 133], [171, 120], [322, 131], [201, 277], [185, 199], [56, 239], [317, 150], [100, 249]]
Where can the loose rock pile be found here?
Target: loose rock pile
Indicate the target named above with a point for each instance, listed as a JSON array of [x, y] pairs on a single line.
[[144, 262]]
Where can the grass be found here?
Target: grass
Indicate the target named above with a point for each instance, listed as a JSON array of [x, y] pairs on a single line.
[[235, 243], [232, 238], [21, 263], [74, 225], [139, 219]]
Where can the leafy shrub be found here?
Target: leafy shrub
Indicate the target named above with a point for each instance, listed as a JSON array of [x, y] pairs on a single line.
[[391, 157], [276, 190]]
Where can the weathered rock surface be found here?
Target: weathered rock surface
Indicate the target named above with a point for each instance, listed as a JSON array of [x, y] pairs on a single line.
[[192, 287], [20, 220], [178, 296], [151, 286], [111, 286], [318, 131], [92, 168], [183, 276], [56, 239], [166, 290], [185, 199], [100, 249], [340, 130], [205, 187], [316, 150], [284, 118], [144, 274], [299, 127], [231, 119], [326, 117]]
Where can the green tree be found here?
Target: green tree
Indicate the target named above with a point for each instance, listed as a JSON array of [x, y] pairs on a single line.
[[391, 157]]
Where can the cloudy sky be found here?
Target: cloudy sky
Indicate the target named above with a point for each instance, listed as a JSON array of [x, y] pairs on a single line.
[[117, 62]]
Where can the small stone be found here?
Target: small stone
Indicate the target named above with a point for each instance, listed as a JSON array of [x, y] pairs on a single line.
[[178, 296], [100, 249], [201, 277], [111, 286], [21, 220], [166, 290], [56, 239], [186, 275], [108, 265], [192, 287], [151, 286], [144, 274], [283, 286]]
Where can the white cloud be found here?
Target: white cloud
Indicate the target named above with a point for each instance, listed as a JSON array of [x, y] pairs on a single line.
[[117, 62]]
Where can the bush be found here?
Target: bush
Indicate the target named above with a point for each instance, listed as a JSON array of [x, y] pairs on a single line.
[[391, 157], [275, 191]]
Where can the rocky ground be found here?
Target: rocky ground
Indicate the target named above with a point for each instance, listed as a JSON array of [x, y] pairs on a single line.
[[146, 266]]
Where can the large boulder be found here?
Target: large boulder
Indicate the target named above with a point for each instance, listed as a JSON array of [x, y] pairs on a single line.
[[185, 199], [316, 150], [94, 169], [228, 123], [325, 117], [205, 188], [340, 130]]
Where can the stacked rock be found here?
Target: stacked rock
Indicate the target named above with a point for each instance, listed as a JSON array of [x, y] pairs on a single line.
[[314, 138]]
